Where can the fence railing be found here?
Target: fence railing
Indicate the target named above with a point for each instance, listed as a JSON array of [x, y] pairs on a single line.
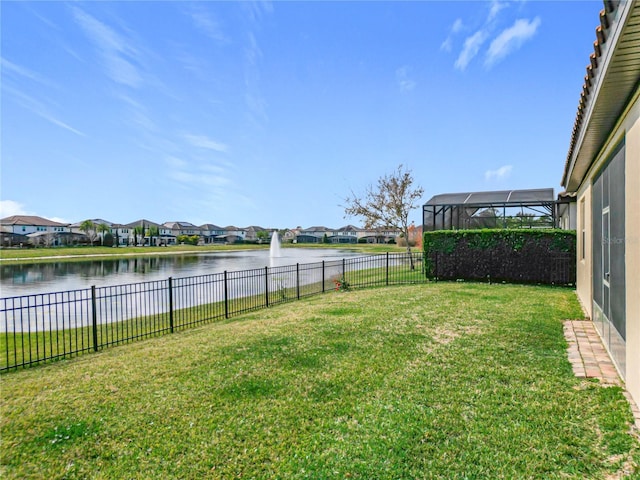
[[49, 326]]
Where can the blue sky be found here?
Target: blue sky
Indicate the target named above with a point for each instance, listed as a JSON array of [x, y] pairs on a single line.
[[257, 113]]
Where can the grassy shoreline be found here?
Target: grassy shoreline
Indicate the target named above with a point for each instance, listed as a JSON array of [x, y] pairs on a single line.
[[41, 255], [18, 349], [440, 380]]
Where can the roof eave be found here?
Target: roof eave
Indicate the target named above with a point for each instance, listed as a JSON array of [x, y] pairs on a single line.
[[607, 91]]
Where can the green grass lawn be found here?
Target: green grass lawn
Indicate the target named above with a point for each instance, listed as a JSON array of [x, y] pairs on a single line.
[[443, 380]]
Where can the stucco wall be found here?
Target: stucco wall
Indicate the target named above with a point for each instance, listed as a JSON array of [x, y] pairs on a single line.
[[632, 251], [584, 285], [629, 130]]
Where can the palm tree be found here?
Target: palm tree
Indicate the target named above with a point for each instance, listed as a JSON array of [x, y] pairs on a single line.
[[139, 230], [154, 233], [102, 229], [89, 228]]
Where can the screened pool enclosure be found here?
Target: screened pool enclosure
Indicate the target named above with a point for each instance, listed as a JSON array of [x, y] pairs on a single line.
[[498, 209]]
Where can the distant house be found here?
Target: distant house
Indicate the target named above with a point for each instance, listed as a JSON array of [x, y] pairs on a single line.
[[93, 235], [567, 211], [172, 230], [121, 234], [234, 234], [312, 235], [146, 232], [602, 171], [253, 233], [290, 234], [19, 229], [212, 233], [346, 234], [26, 224], [379, 235]]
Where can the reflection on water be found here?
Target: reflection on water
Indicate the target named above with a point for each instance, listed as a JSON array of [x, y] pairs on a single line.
[[27, 279]]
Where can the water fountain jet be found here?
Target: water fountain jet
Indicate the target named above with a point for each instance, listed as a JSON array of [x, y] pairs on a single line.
[[274, 249]]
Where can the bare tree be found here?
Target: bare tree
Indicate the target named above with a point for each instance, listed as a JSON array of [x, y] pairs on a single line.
[[388, 203], [49, 239]]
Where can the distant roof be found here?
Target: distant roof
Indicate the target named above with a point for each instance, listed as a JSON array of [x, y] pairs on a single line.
[[316, 229], [140, 223], [179, 225], [502, 197], [94, 220], [30, 220]]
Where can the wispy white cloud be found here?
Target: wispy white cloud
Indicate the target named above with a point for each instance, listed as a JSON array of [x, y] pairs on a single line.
[[39, 109], [60, 123], [405, 83], [137, 113], [194, 64], [511, 39], [457, 26], [117, 52], [206, 22], [9, 208], [256, 10], [257, 108], [202, 141], [256, 104], [195, 179], [498, 174], [470, 49], [447, 45], [10, 68], [506, 42], [495, 8], [195, 175], [252, 51], [175, 162]]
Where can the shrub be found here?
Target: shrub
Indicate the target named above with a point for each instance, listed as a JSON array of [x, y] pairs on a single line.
[[520, 256], [108, 240], [188, 239]]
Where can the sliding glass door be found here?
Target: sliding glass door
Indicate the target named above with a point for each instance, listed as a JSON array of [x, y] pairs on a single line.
[[608, 220]]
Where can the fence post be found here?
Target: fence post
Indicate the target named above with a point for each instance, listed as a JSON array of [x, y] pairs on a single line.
[[266, 286], [343, 270], [171, 304], [322, 276], [387, 271], [94, 318], [298, 281], [226, 296]]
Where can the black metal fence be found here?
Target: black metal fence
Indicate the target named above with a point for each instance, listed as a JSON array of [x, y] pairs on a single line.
[[50, 326]]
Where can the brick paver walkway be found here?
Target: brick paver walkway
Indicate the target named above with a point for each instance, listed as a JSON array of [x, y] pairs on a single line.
[[589, 358]]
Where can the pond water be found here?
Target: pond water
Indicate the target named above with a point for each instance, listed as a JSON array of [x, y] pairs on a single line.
[[28, 279]]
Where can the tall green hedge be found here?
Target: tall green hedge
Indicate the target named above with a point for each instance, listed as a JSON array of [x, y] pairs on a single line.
[[514, 256]]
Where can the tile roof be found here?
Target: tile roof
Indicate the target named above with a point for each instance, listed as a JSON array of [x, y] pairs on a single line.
[[30, 220], [613, 75]]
